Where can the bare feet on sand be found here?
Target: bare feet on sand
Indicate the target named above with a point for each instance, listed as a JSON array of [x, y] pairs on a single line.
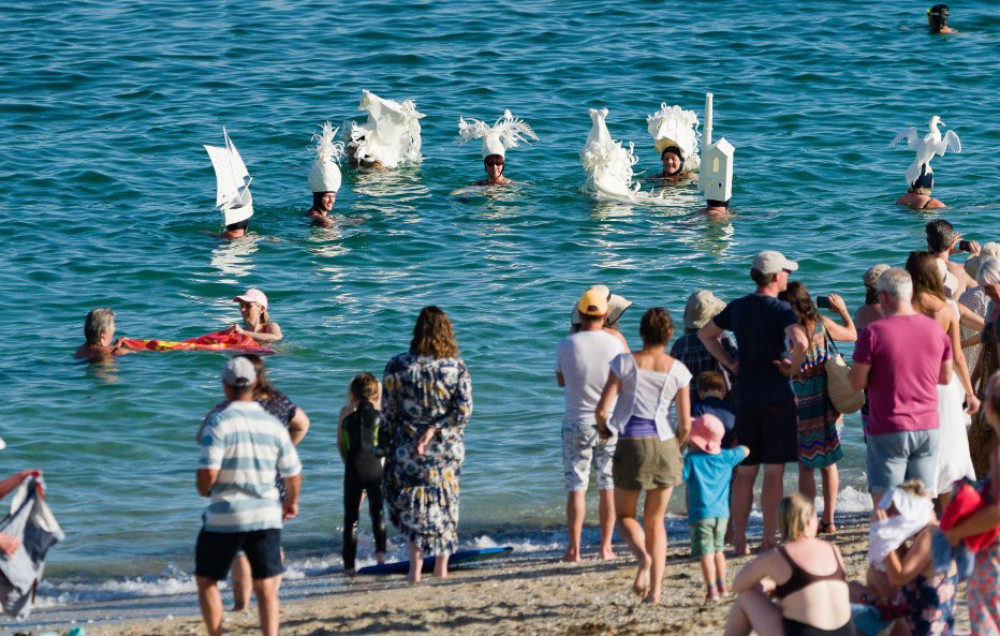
[[571, 555], [740, 548], [641, 585], [608, 554]]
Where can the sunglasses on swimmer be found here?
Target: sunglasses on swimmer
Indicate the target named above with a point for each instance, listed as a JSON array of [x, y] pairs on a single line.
[[493, 161]]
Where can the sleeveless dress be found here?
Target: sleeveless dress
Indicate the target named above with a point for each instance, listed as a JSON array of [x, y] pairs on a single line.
[[819, 421], [954, 460]]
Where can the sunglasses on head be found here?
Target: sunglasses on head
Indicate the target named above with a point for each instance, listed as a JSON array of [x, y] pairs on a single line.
[[493, 162]]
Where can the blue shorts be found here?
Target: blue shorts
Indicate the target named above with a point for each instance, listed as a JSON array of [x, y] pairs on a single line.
[[892, 458], [215, 551]]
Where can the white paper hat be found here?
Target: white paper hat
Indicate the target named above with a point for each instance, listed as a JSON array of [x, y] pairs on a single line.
[[674, 126], [324, 175], [717, 172], [504, 134], [390, 136]]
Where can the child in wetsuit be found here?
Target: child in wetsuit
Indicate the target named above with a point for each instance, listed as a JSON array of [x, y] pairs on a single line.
[[358, 441]]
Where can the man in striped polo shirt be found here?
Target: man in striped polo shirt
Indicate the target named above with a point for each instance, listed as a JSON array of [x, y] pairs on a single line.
[[242, 447]]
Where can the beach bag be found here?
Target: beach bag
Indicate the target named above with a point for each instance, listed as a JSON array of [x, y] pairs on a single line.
[[965, 500], [845, 398]]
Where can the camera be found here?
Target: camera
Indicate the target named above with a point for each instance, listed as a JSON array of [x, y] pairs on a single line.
[[963, 246], [823, 302]]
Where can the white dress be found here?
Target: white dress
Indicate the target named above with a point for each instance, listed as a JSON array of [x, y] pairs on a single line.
[[954, 460]]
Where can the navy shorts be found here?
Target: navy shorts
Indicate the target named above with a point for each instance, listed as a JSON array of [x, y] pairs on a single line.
[[215, 551], [771, 432]]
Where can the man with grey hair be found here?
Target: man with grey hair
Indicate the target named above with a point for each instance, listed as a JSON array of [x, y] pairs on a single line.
[[901, 359], [242, 448], [766, 415]]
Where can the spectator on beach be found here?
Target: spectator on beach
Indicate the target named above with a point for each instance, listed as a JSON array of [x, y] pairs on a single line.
[[766, 420], [806, 576], [427, 403], [701, 307], [901, 359], [905, 513], [937, 20], [616, 307], [711, 392], [872, 309], [582, 363], [647, 454], [819, 421], [358, 429], [957, 396], [8, 542], [977, 302], [982, 439], [256, 321], [242, 448], [942, 242], [983, 593], [99, 331], [708, 469]]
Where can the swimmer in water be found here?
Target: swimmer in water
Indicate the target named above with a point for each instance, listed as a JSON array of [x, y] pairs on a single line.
[[673, 166], [99, 330], [918, 196], [504, 134], [362, 165], [256, 322], [675, 136], [324, 176], [235, 230], [937, 19]]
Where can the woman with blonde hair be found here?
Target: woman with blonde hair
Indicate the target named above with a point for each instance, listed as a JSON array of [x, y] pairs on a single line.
[[256, 321], [805, 576], [426, 403]]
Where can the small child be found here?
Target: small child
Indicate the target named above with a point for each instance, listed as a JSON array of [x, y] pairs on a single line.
[[99, 330], [357, 440], [707, 471], [711, 388]]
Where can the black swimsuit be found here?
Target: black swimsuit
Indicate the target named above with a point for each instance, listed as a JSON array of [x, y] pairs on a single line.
[[799, 580]]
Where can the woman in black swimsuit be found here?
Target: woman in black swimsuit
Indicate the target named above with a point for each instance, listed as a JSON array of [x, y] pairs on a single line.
[[804, 575]]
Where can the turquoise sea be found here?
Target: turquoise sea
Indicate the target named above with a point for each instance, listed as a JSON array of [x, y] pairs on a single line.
[[106, 199]]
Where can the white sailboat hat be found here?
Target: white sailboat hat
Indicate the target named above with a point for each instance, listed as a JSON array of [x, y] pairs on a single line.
[[674, 126], [504, 134], [324, 175]]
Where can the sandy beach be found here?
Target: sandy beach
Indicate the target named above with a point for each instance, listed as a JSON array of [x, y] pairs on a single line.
[[533, 594]]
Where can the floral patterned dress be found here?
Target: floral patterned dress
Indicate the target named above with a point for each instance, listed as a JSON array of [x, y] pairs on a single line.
[[421, 491], [932, 602], [983, 592]]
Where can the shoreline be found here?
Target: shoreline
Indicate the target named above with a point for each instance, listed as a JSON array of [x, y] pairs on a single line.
[[532, 594]]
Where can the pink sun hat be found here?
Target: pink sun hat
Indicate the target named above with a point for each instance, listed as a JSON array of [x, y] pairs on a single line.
[[706, 433]]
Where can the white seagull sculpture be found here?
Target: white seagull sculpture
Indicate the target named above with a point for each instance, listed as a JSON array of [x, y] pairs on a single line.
[[933, 143]]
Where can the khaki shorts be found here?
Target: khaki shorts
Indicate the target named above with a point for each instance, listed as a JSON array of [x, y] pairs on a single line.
[[708, 536], [646, 463]]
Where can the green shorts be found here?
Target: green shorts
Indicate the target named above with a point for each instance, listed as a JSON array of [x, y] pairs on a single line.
[[708, 536]]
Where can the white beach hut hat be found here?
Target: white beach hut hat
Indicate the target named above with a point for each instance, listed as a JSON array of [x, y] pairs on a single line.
[[324, 175], [504, 134]]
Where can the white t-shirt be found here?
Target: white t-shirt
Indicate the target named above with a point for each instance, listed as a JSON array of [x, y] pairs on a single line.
[[647, 394], [583, 359]]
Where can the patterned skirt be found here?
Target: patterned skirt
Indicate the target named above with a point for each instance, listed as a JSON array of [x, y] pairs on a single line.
[[819, 422]]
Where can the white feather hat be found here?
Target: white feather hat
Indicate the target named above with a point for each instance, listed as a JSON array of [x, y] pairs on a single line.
[[324, 175], [674, 126], [504, 134]]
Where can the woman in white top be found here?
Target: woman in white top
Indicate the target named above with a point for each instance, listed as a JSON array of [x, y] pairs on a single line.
[[647, 456]]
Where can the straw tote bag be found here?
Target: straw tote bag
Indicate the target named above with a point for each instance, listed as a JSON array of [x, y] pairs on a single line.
[[845, 398]]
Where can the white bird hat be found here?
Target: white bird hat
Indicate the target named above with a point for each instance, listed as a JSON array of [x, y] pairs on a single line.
[[504, 134], [933, 143], [324, 175]]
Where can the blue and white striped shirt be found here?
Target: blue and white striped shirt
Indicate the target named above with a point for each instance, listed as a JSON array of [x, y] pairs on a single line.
[[246, 445]]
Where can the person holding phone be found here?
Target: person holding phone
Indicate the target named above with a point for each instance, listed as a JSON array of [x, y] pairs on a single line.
[[819, 421], [942, 242]]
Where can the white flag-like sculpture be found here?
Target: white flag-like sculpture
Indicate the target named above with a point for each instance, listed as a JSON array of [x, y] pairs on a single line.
[[232, 180]]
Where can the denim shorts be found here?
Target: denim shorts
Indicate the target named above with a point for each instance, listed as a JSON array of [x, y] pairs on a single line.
[[582, 447], [892, 458]]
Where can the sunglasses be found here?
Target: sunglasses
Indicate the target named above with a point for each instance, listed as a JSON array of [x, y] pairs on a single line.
[[493, 162]]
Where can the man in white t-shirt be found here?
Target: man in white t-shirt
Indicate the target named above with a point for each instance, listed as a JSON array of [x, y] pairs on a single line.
[[582, 363]]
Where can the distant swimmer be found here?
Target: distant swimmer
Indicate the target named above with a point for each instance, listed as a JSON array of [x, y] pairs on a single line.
[[675, 136], [390, 138], [232, 195], [99, 331], [256, 321], [504, 134], [937, 19], [919, 174], [324, 176]]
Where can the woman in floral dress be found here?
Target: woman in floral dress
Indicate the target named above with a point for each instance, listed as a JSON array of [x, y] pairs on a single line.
[[427, 402]]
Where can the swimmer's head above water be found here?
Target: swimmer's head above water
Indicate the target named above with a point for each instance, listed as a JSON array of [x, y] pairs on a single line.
[[937, 18], [673, 161], [924, 183]]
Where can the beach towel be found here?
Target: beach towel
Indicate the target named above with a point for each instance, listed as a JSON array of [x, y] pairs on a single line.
[[31, 521], [216, 341]]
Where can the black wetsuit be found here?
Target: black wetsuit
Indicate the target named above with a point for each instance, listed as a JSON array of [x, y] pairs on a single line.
[[362, 474]]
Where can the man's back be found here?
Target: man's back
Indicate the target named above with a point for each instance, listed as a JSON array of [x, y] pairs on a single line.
[[247, 446], [905, 353], [583, 359]]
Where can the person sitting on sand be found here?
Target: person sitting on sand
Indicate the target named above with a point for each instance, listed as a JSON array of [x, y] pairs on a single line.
[[647, 455], [937, 20], [918, 195], [504, 134], [99, 330], [804, 574], [324, 176], [256, 321], [708, 470]]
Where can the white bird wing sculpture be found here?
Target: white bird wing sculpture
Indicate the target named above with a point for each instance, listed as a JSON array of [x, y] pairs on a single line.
[[607, 163], [391, 135], [933, 143]]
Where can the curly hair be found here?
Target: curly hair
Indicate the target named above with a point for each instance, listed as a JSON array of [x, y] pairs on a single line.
[[656, 326], [434, 335]]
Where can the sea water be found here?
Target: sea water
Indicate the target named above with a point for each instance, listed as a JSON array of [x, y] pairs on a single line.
[[106, 199]]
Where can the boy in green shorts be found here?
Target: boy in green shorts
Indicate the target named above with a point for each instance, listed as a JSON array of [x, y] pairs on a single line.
[[708, 469]]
